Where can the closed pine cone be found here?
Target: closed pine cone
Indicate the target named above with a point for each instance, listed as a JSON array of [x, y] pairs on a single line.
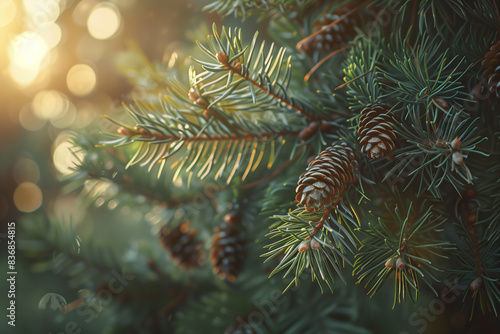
[[327, 178], [491, 64], [182, 246], [376, 131], [227, 252], [336, 36]]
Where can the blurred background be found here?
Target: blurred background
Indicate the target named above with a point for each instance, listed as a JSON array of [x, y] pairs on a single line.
[[59, 71], [61, 68]]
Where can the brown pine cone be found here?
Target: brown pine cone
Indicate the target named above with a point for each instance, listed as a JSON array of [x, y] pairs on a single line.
[[227, 252], [182, 246], [334, 37], [491, 64], [327, 178], [376, 131]]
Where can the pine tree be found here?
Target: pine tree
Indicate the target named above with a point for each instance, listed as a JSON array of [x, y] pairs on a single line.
[[313, 173]]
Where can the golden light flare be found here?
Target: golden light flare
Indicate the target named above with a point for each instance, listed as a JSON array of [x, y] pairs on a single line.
[[64, 161], [49, 104], [27, 197], [81, 79], [41, 13], [104, 21], [51, 34], [26, 52], [8, 12]]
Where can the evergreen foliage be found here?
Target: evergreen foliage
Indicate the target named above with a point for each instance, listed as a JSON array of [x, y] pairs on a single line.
[[233, 131]]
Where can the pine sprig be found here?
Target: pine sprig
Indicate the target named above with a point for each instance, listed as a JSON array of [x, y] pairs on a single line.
[[404, 246], [361, 74], [477, 257], [216, 122], [247, 77], [209, 144], [422, 71], [440, 149], [321, 241]]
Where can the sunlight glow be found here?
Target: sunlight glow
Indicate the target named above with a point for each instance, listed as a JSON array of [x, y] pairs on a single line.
[[26, 52], [81, 79], [8, 11], [104, 21]]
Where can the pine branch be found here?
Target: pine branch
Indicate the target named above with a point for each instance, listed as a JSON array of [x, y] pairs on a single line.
[[421, 71], [208, 142], [361, 74], [478, 255], [320, 241], [440, 147], [405, 245], [265, 83]]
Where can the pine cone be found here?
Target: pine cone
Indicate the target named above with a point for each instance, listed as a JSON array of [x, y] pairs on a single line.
[[182, 246], [227, 252], [327, 178], [491, 64], [376, 131], [334, 37]]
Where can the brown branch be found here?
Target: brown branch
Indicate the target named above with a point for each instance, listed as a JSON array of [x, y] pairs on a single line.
[[469, 219], [322, 61], [157, 136], [322, 221], [472, 231], [72, 306], [237, 69], [154, 267], [356, 78]]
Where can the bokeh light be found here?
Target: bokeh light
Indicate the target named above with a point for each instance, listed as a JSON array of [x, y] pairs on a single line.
[[8, 11], [104, 21], [49, 104], [41, 13], [67, 119], [51, 34], [63, 158], [55, 107], [26, 52], [27, 197], [81, 79]]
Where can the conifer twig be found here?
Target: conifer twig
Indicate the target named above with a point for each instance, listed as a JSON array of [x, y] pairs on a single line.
[[222, 58], [322, 61]]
